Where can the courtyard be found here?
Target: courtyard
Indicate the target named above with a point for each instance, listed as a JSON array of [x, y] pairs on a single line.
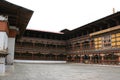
[[69, 71]]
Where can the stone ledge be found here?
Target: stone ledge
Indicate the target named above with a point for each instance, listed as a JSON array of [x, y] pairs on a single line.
[[1, 63], [3, 55], [38, 61]]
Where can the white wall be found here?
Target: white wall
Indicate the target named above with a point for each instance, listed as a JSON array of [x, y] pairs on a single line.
[[3, 18], [2, 65], [3, 41], [11, 47], [3, 47]]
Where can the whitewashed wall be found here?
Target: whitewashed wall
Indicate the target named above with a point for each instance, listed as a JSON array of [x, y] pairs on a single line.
[[3, 41], [2, 65], [11, 48]]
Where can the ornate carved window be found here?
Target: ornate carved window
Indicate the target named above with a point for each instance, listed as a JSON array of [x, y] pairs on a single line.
[[106, 41]]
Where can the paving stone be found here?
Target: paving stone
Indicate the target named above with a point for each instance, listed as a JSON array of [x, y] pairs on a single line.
[[61, 72]]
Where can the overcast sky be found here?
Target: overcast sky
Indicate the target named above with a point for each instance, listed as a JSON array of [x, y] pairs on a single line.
[[56, 15]]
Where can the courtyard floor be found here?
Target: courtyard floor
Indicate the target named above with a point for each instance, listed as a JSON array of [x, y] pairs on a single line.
[[73, 71]]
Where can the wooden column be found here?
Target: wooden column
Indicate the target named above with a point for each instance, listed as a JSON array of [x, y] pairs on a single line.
[[90, 59], [102, 55], [119, 59], [81, 59], [73, 58]]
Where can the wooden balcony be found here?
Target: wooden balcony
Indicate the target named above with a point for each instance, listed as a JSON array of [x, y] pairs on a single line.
[[36, 49]]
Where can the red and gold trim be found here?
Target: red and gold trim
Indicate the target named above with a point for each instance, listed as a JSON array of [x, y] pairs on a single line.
[[12, 32], [4, 26]]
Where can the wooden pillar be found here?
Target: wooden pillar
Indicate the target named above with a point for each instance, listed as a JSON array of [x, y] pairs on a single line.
[[119, 59], [102, 60], [73, 58], [81, 59], [90, 59]]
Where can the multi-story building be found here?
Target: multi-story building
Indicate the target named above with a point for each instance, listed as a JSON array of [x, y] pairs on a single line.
[[41, 45], [96, 42]]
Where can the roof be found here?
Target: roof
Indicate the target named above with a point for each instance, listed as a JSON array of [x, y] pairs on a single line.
[[43, 34], [49, 32], [65, 30], [17, 16], [111, 20]]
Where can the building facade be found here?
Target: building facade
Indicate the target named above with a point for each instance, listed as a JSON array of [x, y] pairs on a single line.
[[40, 45], [97, 42], [12, 23]]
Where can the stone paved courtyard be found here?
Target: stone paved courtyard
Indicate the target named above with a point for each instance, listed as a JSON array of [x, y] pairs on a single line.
[[20, 71]]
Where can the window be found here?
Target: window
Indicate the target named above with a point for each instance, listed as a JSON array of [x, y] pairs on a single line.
[[106, 41]]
